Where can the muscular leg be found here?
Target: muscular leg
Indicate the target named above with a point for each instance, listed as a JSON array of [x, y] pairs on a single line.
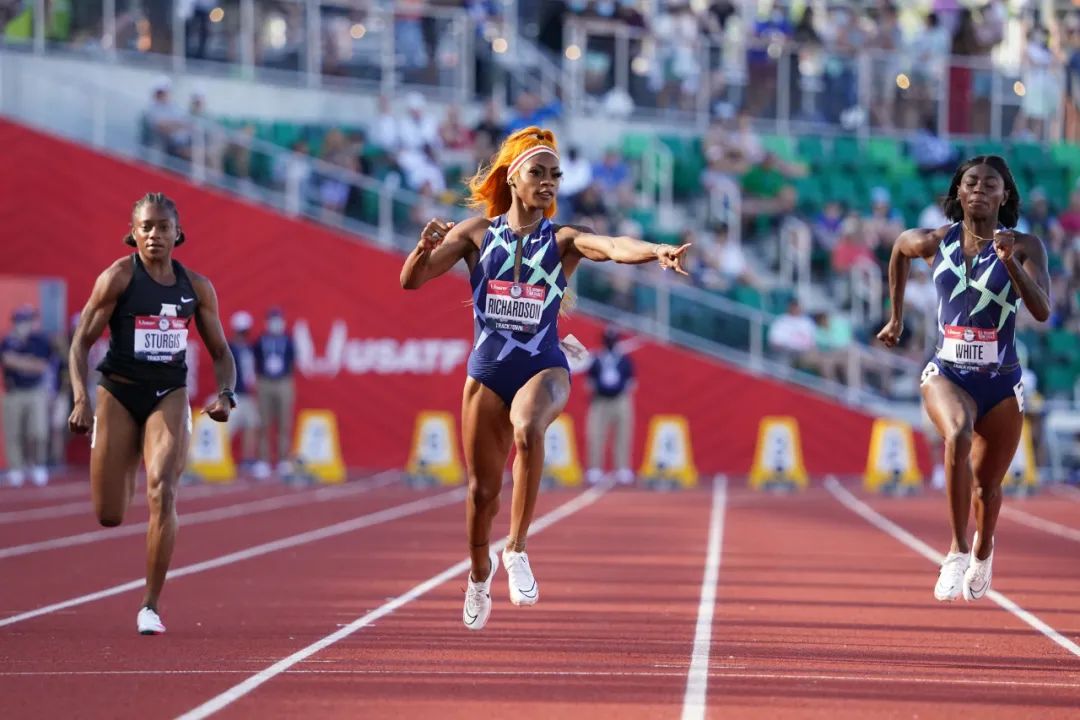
[[165, 449], [953, 412], [535, 407], [997, 435], [486, 434], [114, 459]]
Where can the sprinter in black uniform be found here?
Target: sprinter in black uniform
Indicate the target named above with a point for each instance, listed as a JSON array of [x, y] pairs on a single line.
[[148, 301]]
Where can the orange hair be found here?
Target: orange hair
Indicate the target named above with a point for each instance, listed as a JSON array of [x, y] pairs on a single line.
[[488, 189]]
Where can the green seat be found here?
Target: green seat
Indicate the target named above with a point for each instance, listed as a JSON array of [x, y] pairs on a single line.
[[634, 145], [811, 149], [846, 152], [1058, 380], [780, 145], [1063, 345]]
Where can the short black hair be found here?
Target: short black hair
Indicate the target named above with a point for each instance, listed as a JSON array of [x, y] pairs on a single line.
[[1008, 213], [163, 201]]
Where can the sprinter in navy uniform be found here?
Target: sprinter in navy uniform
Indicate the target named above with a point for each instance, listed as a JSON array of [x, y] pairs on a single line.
[[148, 301], [983, 272], [518, 376]]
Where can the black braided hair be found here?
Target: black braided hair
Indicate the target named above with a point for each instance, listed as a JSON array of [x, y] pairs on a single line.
[[163, 201]]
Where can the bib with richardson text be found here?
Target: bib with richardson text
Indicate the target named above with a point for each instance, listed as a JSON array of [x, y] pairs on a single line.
[[969, 346], [515, 306], [159, 339]]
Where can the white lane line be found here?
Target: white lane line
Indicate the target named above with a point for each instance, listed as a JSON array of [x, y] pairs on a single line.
[[697, 679], [844, 496], [1038, 523], [83, 506], [716, 673], [240, 690], [205, 516], [382, 516]]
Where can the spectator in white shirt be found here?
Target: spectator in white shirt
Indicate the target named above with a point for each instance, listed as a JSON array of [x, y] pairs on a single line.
[[577, 174], [792, 334], [418, 128]]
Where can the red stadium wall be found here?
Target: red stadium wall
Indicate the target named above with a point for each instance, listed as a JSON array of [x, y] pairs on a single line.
[[377, 355]]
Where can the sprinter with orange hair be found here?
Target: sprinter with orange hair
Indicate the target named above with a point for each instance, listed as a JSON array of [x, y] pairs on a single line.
[[518, 377]]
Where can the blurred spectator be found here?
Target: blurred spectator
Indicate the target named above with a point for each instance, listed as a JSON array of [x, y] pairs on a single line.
[[26, 355], [245, 417], [528, 110], [767, 187], [206, 133], [1042, 88], [931, 153], [932, 216], [384, 131], [292, 173], [612, 173], [852, 249], [409, 45], [792, 334], [833, 338], [63, 398], [419, 126], [827, 225], [1038, 219], [724, 262], [453, 134], [275, 356], [165, 126], [884, 224], [1070, 218], [884, 65], [423, 169], [590, 209], [577, 174], [928, 52], [611, 410], [198, 25], [490, 131], [58, 26]]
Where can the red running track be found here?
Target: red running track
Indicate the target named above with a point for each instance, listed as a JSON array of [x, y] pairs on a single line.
[[818, 613]]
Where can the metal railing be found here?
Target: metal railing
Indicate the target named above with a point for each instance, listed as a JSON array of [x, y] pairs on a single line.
[[808, 88], [361, 44]]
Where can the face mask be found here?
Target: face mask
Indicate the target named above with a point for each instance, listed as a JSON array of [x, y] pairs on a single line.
[[276, 326], [605, 9]]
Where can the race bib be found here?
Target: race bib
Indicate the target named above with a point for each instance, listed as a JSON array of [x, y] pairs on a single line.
[[515, 306], [969, 346], [159, 339]]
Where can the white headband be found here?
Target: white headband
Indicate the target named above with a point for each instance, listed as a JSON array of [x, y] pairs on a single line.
[[527, 155]]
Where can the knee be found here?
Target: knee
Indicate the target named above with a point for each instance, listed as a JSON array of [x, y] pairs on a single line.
[[528, 437], [161, 496], [958, 438], [987, 492], [483, 494]]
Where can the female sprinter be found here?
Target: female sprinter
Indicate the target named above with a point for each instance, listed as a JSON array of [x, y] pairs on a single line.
[[518, 378], [148, 300], [983, 271]]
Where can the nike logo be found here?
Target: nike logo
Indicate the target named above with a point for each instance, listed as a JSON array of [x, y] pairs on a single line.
[[530, 593], [163, 393], [470, 619], [186, 300], [981, 590]]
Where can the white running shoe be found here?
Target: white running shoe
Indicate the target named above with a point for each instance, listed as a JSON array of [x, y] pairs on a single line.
[[951, 580], [40, 476], [594, 476], [523, 587], [478, 599], [16, 478], [149, 623], [979, 573]]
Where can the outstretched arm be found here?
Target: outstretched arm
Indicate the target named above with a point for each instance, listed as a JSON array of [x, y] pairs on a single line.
[[914, 243], [208, 322], [622, 249], [95, 316], [441, 246]]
